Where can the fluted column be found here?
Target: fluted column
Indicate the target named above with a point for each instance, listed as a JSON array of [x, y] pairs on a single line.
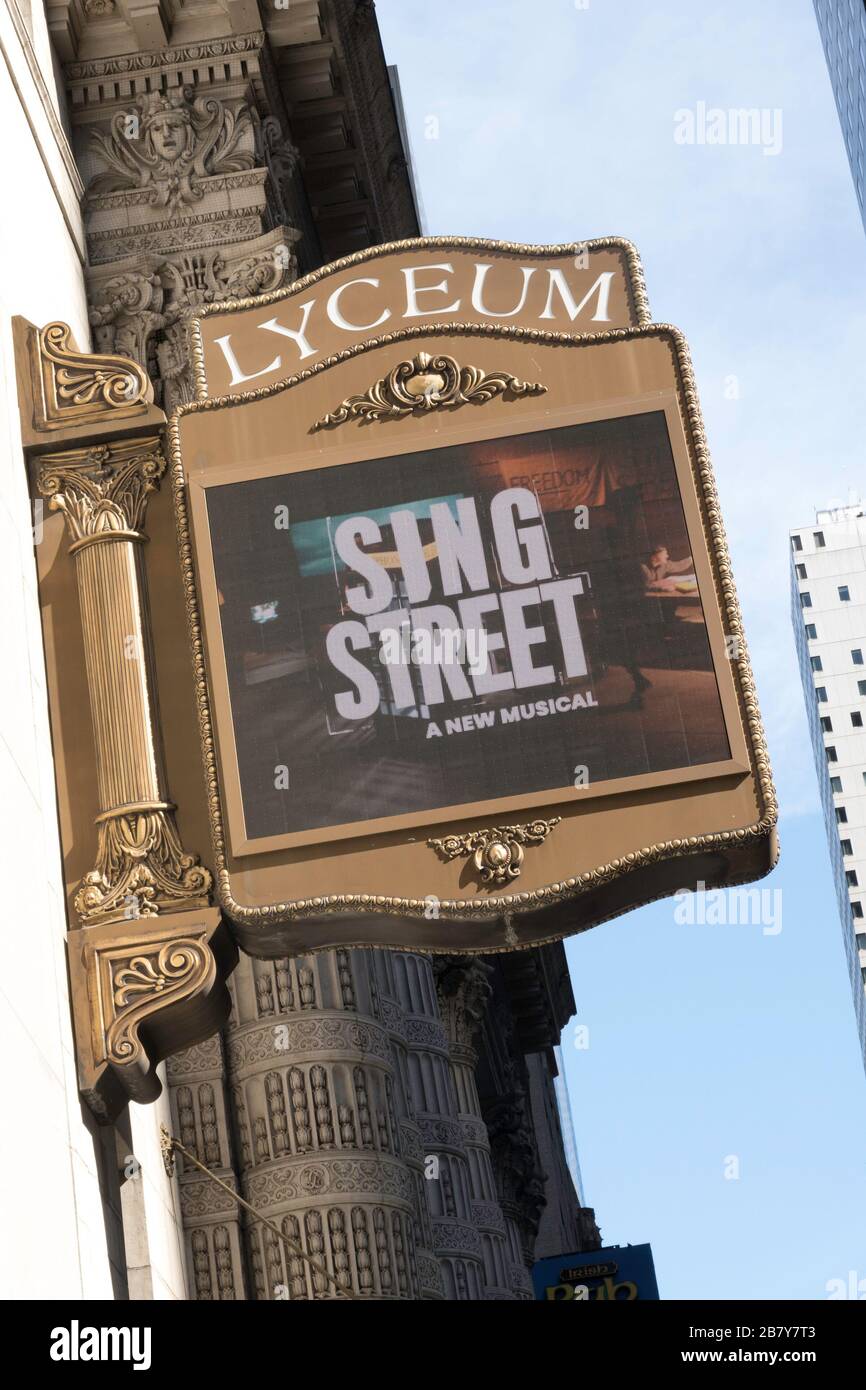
[[404, 1013], [321, 1153], [213, 1234], [464, 989], [447, 1185], [141, 868]]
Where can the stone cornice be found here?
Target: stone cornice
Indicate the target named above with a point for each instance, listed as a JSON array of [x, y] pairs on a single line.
[[164, 57], [135, 197]]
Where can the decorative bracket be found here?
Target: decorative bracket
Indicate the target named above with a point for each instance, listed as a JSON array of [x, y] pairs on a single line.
[[141, 991], [498, 852], [69, 396], [427, 383]]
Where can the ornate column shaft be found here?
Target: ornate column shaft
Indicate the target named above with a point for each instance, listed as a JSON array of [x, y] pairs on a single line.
[[320, 1150], [148, 954], [141, 867]]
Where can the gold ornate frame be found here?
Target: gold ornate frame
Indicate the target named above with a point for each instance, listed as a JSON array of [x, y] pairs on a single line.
[[240, 844], [634, 279], [258, 920]]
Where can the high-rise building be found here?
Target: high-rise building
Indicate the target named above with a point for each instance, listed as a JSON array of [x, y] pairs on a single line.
[[158, 158], [828, 593], [843, 32]]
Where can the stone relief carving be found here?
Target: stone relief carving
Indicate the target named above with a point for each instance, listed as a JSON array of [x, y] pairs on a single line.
[[140, 313], [464, 990], [168, 142], [306, 1036], [456, 1236], [380, 1177], [281, 159]]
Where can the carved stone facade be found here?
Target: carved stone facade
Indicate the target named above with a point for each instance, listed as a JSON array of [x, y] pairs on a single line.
[[343, 1103], [192, 181], [374, 1108]]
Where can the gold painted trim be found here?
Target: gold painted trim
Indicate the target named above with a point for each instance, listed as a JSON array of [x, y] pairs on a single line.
[[135, 537], [367, 904], [635, 282], [424, 383], [134, 808]]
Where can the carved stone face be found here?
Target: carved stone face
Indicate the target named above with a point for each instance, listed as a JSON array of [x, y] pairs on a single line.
[[168, 133]]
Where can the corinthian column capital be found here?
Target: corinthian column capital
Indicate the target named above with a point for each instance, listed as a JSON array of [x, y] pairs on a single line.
[[102, 491]]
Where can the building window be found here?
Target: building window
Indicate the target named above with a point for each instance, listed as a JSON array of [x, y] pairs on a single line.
[[796, 543], [846, 847], [801, 572], [856, 909], [861, 941], [816, 663], [856, 719], [861, 687], [805, 600], [857, 656], [841, 815], [821, 694], [811, 632], [844, 593], [831, 754], [835, 785], [851, 878], [826, 724], [818, 538]]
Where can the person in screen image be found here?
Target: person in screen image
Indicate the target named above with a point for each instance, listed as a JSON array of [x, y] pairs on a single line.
[[658, 566], [658, 571], [618, 601]]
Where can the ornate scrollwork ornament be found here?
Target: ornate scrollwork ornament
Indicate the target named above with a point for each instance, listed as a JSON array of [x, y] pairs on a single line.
[[78, 387], [424, 383], [498, 852]]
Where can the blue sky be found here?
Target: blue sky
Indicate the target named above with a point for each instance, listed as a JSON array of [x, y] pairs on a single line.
[[556, 123]]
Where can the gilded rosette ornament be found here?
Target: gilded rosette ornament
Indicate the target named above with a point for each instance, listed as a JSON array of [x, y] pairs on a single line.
[[498, 852], [141, 867]]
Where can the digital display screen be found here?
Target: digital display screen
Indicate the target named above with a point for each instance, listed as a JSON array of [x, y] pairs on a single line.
[[462, 624]]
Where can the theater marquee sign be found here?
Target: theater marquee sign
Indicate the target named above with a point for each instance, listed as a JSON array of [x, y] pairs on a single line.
[[467, 666]]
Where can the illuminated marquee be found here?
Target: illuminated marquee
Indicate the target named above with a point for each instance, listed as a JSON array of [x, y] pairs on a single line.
[[470, 653]]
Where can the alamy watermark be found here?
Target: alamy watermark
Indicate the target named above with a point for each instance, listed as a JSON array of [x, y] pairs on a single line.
[[77, 1343], [717, 125], [734, 907], [435, 646]]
